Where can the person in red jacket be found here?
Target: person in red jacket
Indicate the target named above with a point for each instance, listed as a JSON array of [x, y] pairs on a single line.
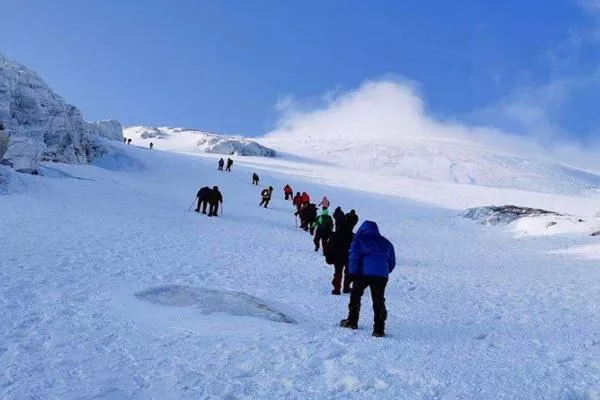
[[287, 190], [297, 201], [305, 198]]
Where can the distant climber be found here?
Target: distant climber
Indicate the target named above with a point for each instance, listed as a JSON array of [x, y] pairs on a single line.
[[297, 201], [214, 200], [325, 203], [266, 196], [288, 192], [337, 255], [352, 219], [324, 228], [220, 164], [203, 198], [372, 259], [338, 217], [229, 164], [255, 179], [125, 140], [1, 125], [129, 141], [151, 145]]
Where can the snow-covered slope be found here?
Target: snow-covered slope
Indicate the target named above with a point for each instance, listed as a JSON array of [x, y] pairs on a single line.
[[158, 302], [38, 124], [192, 141], [443, 160]]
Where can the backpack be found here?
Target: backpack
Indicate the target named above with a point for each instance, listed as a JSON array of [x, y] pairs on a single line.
[[326, 223]]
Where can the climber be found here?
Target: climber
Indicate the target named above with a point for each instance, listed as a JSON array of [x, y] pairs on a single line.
[[324, 227], [288, 192], [266, 196], [325, 203], [372, 259]]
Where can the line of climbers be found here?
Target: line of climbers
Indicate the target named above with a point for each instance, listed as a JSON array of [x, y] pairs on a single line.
[[362, 260]]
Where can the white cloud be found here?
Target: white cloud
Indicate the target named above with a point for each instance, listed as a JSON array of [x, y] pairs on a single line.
[[390, 110]]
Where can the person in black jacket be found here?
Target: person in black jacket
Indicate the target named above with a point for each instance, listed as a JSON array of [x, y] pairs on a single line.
[[338, 217], [215, 198], [352, 219], [255, 178], [229, 164], [337, 255], [220, 164], [203, 197]]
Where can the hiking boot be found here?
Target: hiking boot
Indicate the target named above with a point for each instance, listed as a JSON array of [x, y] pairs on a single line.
[[345, 323], [336, 292], [378, 334], [316, 248], [347, 290]]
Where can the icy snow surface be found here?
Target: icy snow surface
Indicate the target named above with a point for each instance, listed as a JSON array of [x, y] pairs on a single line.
[[474, 312]]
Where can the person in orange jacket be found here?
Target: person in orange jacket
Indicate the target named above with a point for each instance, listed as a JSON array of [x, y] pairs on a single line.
[[288, 192], [305, 198]]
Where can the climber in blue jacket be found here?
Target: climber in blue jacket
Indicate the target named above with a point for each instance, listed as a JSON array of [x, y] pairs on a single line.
[[371, 260]]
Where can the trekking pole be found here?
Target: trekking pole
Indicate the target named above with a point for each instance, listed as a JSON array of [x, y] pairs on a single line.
[[221, 208], [296, 219], [191, 205]]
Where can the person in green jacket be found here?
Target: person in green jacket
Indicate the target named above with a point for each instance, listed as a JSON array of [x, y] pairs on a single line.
[[324, 227]]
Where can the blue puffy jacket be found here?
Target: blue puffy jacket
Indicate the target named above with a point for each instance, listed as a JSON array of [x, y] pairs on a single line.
[[370, 253]]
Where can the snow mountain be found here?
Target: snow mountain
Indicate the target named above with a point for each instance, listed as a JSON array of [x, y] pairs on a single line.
[[193, 140], [442, 159], [39, 125]]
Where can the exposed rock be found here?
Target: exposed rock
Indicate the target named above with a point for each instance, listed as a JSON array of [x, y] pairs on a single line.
[[40, 125], [494, 215]]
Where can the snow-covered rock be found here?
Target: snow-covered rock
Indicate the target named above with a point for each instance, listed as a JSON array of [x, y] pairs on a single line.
[[193, 140], [40, 125], [109, 129], [494, 215], [526, 221], [209, 301]]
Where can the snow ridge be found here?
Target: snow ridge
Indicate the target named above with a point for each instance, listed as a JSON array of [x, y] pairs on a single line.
[[193, 140]]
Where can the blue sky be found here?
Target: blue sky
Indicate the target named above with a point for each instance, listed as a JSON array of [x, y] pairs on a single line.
[[223, 65]]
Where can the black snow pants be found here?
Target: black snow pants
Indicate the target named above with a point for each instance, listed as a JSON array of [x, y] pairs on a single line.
[[265, 202], [214, 208], [202, 203], [377, 285], [322, 238]]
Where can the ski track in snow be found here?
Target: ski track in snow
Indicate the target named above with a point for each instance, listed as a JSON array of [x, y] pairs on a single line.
[[474, 313]]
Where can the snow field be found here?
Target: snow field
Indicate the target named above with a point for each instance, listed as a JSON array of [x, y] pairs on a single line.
[[473, 313]]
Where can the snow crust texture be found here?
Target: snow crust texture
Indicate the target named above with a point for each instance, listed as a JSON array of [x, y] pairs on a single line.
[[40, 125], [192, 140]]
